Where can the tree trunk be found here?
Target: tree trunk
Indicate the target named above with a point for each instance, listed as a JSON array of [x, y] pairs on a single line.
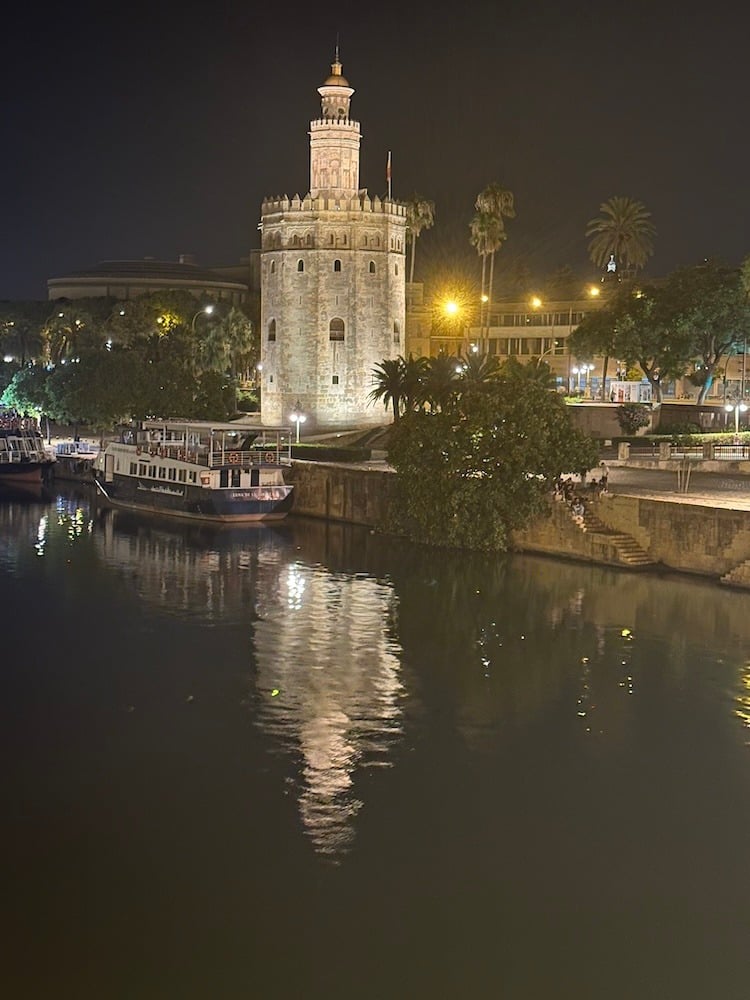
[[604, 378], [486, 343]]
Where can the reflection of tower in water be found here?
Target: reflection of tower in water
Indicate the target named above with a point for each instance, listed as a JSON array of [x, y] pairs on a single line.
[[329, 686]]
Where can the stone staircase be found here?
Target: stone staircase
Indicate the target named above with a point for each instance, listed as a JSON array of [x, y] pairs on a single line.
[[629, 552], [739, 576]]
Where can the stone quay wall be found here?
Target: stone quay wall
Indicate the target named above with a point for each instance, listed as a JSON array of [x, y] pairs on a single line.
[[689, 537]]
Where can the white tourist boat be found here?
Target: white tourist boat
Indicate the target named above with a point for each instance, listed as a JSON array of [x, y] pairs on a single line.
[[198, 471]]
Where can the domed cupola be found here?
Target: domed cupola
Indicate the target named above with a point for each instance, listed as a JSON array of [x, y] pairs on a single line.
[[335, 94]]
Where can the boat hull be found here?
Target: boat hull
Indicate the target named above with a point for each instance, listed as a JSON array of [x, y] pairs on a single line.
[[196, 503], [73, 468], [23, 472]]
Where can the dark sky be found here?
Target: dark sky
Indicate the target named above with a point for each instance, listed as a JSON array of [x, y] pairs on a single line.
[[157, 130]]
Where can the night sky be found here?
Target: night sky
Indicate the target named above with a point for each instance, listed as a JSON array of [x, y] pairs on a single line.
[[157, 130]]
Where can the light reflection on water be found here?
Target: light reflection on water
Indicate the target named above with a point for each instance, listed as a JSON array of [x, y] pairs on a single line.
[[511, 748]]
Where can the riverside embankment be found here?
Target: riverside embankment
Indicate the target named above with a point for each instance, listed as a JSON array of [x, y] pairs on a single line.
[[705, 533]]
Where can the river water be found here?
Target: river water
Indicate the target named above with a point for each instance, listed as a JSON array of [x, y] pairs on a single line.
[[311, 761]]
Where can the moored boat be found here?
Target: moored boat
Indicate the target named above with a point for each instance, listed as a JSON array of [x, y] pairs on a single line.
[[23, 456], [198, 470], [74, 461]]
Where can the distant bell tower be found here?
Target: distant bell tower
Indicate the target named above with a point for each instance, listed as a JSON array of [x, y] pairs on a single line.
[[332, 280], [334, 140]]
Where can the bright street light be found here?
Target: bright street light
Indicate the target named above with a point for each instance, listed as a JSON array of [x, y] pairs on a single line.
[[207, 310], [297, 417], [738, 408]]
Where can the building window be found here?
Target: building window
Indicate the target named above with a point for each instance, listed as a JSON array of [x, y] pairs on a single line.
[[336, 329], [300, 266], [335, 380], [271, 330], [273, 267], [337, 265], [396, 333], [372, 267], [395, 270]]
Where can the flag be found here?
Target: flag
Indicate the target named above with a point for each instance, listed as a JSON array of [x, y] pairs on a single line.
[[388, 173]]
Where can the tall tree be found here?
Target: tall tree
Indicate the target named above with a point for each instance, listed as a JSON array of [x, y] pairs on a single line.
[[709, 303], [467, 476], [420, 215], [494, 204], [623, 231]]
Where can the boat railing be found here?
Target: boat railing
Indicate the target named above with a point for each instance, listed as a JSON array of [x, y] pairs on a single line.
[[244, 459]]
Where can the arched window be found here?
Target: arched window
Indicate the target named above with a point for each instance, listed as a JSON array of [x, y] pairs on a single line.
[[300, 266], [395, 270], [337, 265], [295, 240], [336, 329], [273, 267], [308, 240], [271, 330], [372, 267]]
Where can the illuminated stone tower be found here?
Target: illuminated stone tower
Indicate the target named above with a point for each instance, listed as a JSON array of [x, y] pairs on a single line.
[[332, 281]]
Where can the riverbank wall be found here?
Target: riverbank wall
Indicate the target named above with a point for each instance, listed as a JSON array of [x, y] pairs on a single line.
[[688, 537]]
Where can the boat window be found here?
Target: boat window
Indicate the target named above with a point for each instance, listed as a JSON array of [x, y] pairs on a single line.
[[172, 473], [142, 469], [193, 476], [181, 475], [152, 472], [162, 472], [133, 468]]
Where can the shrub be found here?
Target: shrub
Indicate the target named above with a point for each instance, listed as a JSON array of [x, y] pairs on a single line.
[[632, 416]]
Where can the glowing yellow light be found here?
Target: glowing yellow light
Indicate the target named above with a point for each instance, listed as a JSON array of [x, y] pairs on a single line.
[[536, 302], [594, 291], [451, 307]]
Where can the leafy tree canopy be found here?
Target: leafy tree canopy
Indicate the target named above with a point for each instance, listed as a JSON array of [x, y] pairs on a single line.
[[468, 475]]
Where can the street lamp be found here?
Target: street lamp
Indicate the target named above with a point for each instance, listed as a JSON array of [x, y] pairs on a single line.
[[204, 309], [297, 417], [738, 408]]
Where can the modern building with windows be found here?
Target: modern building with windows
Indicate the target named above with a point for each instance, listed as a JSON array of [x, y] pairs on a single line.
[[332, 280]]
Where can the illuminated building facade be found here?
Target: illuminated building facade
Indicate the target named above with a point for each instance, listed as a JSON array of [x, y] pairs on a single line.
[[332, 281]]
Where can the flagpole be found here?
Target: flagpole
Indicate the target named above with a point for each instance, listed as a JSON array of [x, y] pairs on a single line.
[[388, 174]]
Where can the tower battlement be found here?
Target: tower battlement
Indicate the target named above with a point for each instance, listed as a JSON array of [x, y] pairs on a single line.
[[361, 202], [337, 123]]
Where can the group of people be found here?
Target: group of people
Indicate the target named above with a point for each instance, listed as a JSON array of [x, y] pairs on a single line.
[[569, 491], [12, 420]]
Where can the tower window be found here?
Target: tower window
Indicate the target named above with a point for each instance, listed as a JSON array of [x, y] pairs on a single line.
[[273, 267], [335, 380], [396, 333], [372, 267], [336, 329], [271, 330], [395, 270], [300, 266], [337, 265]]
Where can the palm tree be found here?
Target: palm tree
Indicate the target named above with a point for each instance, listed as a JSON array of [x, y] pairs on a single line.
[[623, 233], [389, 384], [478, 369], [414, 371], [439, 383], [494, 204], [420, 214], [486, 238]]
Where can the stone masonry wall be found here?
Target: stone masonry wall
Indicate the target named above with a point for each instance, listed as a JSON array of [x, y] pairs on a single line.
[[685, 537]]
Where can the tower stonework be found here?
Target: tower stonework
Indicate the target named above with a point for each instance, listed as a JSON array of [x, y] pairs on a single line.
[[333, 301]]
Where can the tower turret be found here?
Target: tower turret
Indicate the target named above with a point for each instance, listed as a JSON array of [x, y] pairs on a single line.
[[334, 139]]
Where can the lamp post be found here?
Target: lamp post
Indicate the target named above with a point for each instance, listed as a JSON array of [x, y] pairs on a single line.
[[738, 407], [297, 417], [207, 310]]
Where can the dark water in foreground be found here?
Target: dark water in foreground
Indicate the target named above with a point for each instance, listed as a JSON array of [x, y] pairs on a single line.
[[308, 761]]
